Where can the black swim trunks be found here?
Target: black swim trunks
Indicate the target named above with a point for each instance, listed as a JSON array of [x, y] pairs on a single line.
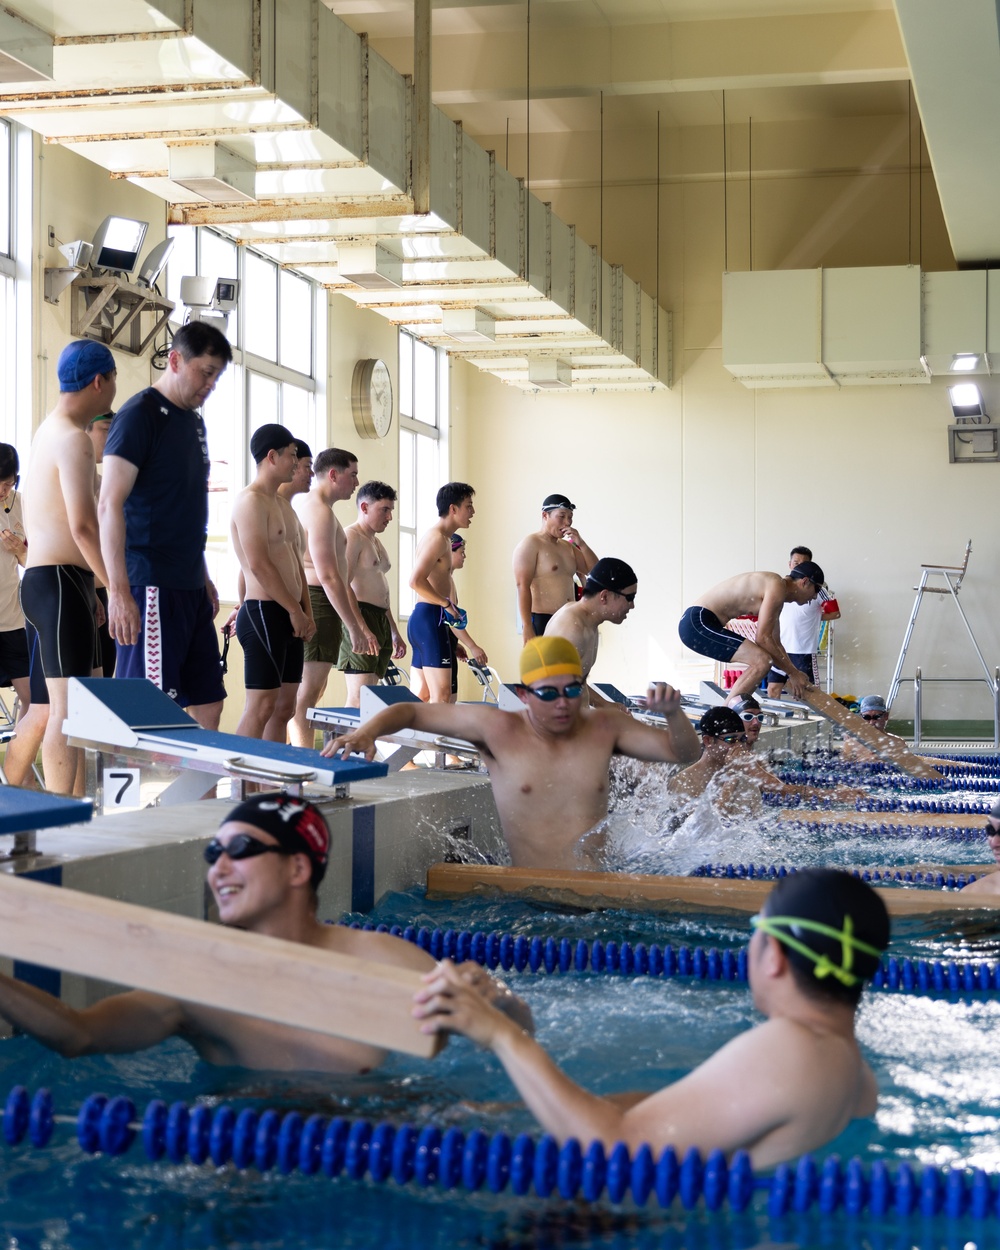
[[272, 655], [59, 600], [703, 632], [539, 620]]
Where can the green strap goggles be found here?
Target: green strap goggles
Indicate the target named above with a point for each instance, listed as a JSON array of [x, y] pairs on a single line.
[[773, 926]]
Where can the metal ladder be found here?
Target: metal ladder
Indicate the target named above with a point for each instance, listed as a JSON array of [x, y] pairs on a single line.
[[952, 575]]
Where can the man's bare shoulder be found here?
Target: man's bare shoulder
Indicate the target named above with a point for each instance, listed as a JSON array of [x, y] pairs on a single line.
[[312, 510], [987, 885], [381, 948]]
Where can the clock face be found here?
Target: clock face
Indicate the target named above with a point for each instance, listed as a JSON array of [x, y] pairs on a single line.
[[371, 398]]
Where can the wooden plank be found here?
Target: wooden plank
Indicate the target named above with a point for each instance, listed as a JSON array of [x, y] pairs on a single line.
[[257, 976], [905, 820], [646, 892], [883, 744]]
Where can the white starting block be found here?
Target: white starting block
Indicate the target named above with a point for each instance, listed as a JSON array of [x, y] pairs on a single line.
[[24, 812], [127, 724], [714, 696], [409, 742]]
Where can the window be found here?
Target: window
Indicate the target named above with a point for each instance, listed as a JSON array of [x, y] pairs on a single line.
[[423, 449], [277, 336], [9, 432]]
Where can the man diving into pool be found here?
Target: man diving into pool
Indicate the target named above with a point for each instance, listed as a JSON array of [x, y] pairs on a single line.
[[265, 867], [787, 1086], [549, 763], [702, 628]]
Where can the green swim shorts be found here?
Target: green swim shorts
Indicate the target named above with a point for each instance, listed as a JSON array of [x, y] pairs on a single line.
[[324, 646], [377, 620]]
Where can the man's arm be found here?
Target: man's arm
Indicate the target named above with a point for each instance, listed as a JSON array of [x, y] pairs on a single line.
[[525, 559], [117, 480], [677, 743], [739, 1095], [323, 554], [249, 523], [768, 636], [429, 552], [116, 1025], [76, 481], [472, 722], [398, 644], [585, 558]]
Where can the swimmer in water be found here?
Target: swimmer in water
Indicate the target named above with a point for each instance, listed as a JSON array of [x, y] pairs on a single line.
[[265, 867], [989, 884], [732, 794], [752, 716], [787, 1086], [548, 763], [762, 595]]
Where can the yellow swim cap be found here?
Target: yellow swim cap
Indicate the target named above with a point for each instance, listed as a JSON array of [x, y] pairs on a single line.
[[549, 657]]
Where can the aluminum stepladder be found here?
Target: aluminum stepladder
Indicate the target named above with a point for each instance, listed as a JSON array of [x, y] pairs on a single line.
[[952, 576]]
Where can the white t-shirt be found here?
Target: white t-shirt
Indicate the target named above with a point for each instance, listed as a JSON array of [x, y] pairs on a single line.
[[798, 626], [11, 616]]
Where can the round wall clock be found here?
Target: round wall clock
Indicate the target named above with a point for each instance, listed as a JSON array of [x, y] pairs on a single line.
[[371, 398]]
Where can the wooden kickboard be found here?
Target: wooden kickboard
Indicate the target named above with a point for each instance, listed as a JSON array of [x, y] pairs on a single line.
[[646, 892], [899, 820], [262, 977], [884, 746]]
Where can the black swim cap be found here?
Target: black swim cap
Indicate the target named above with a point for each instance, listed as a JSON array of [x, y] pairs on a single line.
[[809, 571], [854, 915], [295, 824], [719, 721], [611, 574]]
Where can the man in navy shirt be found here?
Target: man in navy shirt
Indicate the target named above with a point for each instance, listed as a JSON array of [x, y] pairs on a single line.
[[154, 519]]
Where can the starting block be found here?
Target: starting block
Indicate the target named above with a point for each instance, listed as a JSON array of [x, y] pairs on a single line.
[[123, 722], [24, 812], [409, 742]]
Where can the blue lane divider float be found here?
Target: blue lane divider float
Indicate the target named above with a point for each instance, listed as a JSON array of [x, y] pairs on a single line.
[[536, 954], [901, 876], [938, 833], [425, 1156], [884, 805]]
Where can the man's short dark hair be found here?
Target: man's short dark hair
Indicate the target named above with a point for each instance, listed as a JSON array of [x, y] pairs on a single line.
[[372, 492], [10, 466], [453, 493], [198, 338], [800, 551], [333, 458]]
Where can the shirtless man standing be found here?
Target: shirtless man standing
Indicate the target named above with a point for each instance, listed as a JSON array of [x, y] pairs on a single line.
[[275, 618], [549, 763], [608, 595], [545, 563], [57, 591], [334, 607], [434, 666], [784, 1087], [368, 567], [751, 594], [265, 868]]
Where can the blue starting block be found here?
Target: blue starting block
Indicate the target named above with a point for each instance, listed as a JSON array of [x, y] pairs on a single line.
[[131, 719], [23, 812], [409, 742]]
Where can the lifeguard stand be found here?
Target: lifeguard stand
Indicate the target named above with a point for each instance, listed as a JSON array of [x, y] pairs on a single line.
[[952, 576]]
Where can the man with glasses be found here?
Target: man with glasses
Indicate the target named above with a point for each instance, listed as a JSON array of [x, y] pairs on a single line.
[[702, 628], [265, 866], [549, 763], [608, 595], [717, 773]]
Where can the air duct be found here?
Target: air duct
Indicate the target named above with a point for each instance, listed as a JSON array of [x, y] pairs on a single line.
[[550, 374], [468, 325], [371, 266], [213, 172]]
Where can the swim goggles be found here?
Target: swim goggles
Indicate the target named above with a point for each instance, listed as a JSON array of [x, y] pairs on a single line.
[[549, 694], [824, 965], [749, 718], [870, 716], [240, 846]]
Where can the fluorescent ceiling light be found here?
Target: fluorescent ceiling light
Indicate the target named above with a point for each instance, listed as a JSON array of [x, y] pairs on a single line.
[[964, 362]]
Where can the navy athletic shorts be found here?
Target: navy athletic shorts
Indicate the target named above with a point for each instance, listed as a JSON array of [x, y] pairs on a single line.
[[178, 648], [702, 631], [804, 663]]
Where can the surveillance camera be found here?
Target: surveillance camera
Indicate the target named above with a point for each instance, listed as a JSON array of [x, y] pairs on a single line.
[[227, 295], [197, 292]]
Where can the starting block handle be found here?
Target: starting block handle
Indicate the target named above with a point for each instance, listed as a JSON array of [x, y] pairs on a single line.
[[237, 768]]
